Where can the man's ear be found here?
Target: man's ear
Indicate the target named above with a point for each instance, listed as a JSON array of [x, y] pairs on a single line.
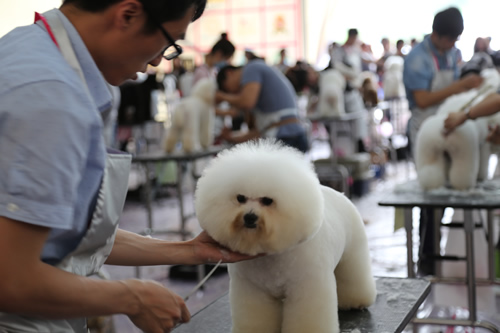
[[128, 13]]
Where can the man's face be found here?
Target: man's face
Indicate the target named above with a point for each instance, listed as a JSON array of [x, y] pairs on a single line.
[[445, 43], [232, 83], [134, 48]]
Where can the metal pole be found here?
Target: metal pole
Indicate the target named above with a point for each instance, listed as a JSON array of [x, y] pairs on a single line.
[[148, 199], [471, 278], [181, 199], [408, 221], [491, 246], [438, 214]]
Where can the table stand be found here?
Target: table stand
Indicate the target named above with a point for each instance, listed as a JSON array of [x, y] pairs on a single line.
[[468, 203], [338, 170]]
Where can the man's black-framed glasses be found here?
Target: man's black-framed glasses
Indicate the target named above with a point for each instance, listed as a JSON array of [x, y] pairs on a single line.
[[173, 50]]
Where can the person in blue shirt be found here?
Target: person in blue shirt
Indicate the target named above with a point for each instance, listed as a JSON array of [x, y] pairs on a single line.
[[61, 192], [266, 95], [431, 72], [430, 75]]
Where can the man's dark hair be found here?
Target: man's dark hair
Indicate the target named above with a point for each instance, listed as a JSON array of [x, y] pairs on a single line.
[[449, 23], [399, 42], [224, 46], [297, 77], [222, 75], [352, 32], [157, 11]]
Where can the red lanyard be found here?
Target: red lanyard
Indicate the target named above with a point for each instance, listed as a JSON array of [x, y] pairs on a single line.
[[39, 17], [436, 62]]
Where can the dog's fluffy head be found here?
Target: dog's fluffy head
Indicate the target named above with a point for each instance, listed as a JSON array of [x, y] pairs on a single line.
[[259, 197], [205, 90], [394, 64]]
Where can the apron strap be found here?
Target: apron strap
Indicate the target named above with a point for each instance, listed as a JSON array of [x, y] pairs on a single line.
[[60, 37], [280, 123], [40, 17]]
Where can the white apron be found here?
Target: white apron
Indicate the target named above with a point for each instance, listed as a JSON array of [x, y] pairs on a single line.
[[97, 243], [442, 78], [265, 120]]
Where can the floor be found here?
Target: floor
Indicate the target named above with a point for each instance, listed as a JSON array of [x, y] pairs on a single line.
[[387, 248]]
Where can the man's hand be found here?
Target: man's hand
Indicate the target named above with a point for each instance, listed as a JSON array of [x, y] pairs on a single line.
[[158, 309], [471, 81], [494, 134], [232, 112], [454, 120], [226, 134], [208, 250], [219, 97]]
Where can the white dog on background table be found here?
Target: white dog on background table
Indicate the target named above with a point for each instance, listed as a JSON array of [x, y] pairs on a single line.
[[331, 93], [460, 158], [263, 197], [392, 81], [193, 119]]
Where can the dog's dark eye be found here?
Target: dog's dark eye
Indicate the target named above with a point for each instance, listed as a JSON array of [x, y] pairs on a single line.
[[241, 198], [266, 201]]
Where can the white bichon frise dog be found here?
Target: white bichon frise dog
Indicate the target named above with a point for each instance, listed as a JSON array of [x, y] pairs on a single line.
[[392, 80], [263, 197], [331, 93], [193, 119], [461, 158]]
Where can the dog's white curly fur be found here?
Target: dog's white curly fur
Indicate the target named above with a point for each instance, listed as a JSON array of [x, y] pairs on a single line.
[[263, 197], [392, 80], [331, 93], [459, 159], [193, 119]]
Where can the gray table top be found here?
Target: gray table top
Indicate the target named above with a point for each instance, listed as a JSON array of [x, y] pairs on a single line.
[[485, 196], [160, 156], [397, 301]]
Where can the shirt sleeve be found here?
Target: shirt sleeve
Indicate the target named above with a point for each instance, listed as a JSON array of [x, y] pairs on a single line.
[[252, 73], [44, 142], [417, 73]]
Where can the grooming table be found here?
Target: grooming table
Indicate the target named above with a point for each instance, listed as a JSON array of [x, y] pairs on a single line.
[[485, 196], [179, 157], [334, 123], [396, 304]]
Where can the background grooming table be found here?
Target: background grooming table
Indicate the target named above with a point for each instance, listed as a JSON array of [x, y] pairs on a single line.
[[439, 200], [179, 157], [396, 304], [333, 123]]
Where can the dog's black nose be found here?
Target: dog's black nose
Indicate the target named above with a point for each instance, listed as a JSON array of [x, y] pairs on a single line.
[[250, 220]]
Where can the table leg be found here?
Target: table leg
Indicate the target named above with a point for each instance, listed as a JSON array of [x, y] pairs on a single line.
[[438, 215], [491, 246], [180, 196], [471, 274], [408, 221], [339, 168], [147, 187], [344, 174]]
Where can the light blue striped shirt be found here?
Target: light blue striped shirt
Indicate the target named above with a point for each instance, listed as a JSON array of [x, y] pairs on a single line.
[[419, 67], [52, 154]]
